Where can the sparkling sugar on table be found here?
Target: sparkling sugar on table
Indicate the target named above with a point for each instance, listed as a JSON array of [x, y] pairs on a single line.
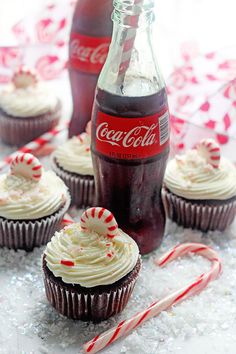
[[205, 322]]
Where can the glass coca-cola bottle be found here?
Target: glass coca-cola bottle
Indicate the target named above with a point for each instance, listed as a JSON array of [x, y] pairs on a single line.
[[90, 38], [130, 127]]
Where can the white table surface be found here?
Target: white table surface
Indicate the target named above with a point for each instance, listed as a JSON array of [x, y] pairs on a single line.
[[202, 324]]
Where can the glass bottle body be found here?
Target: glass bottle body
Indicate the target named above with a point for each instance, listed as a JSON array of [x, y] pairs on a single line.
[[90, 38], [130, 129]]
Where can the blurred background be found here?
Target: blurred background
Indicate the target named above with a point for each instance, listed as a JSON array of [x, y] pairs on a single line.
[[195, 47], [206, 24]]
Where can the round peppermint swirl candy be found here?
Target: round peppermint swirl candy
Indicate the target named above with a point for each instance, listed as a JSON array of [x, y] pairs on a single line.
[[24, 78], [210, 151], [26, 165], [100, 220]]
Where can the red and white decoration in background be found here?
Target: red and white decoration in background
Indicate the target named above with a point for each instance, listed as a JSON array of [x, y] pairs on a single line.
[[202, 92], [41, 42], [202, 100]]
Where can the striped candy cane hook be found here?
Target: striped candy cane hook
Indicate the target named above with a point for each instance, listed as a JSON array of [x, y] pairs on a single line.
[[123, 328]]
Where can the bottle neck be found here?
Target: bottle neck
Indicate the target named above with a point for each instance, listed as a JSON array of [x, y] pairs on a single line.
[[131, 67], [133, 14]]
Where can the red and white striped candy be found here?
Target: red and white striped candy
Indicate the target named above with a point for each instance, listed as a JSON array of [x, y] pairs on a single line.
[[26, 165], [99, 220], [123, 328], [210, 150], [67, 220], [24, 78], [34, 145]]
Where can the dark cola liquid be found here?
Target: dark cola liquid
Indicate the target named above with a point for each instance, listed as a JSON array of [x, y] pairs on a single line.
[[131, 189]]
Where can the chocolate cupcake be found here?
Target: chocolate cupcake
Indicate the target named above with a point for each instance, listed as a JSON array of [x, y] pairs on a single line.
[[28, 108], [32, 204], [72, 162], [200, 189], [90, 268]]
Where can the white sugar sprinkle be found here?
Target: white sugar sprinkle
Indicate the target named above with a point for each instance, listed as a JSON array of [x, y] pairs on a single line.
[[203, 324]]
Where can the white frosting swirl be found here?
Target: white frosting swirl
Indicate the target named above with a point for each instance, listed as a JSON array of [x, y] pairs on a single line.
[[189, 176], [25, 199], [97, 259], [28, 102], [75, 156]]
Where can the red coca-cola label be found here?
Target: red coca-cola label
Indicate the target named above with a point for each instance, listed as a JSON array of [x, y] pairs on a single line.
[[88, 54], [132, 138]]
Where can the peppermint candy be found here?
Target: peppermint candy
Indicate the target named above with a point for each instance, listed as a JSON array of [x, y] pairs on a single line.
[[99, 220], [67, 263], [210, 151], [24, 78], [26, 165]]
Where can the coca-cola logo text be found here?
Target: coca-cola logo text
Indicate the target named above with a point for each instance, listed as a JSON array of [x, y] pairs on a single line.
[[95, 55], [131, 138], [88, 54], [138, 136]]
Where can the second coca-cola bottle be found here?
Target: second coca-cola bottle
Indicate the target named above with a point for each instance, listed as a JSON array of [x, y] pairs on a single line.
[[89, 43], [130, 127]]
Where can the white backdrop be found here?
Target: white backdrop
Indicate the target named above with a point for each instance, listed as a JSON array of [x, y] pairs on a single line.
[[207, 23]]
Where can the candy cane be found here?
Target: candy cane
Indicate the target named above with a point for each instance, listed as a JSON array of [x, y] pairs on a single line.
[[123, 328], [34, 145]]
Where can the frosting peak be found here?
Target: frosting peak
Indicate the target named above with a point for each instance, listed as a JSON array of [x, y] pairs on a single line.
[[75, 156], [90, 259], [26, 199], [191, 176], [29, 101]]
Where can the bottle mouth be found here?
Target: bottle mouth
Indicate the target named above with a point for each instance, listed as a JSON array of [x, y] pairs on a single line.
[[134, 7], [128, 9]]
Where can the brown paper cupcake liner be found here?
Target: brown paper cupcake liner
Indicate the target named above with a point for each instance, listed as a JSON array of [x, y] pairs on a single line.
[[89, 304], [82, 188], [24, 234], [204, 216], [18, 131]]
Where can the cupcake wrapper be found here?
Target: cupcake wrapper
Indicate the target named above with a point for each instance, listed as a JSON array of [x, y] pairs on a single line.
[[18, 131], [82, 188], [94, 307], [16, 234], [198, 216]]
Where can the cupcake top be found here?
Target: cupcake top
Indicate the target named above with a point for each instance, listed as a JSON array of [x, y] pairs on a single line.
[[75, 155], [26, 97], [202, 174], [92, 253], [29, 192]]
